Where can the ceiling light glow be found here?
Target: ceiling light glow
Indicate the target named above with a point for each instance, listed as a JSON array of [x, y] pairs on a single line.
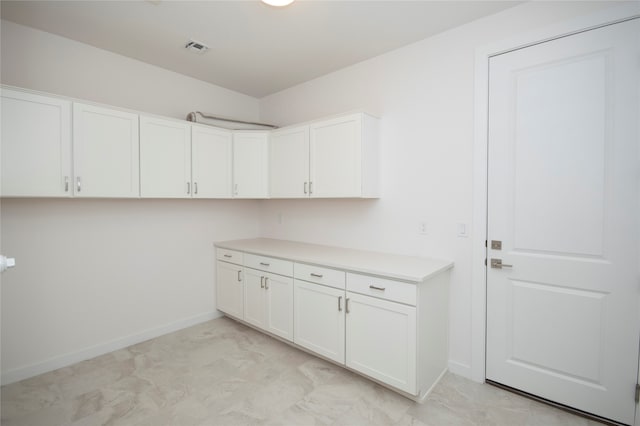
[[278, 3]]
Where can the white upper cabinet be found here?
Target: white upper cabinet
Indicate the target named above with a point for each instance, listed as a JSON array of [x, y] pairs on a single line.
[[105, 152], [211, 162], [250, 164], [165, 158], [344, 157], [36, 145], [289, 163], [331, 158]]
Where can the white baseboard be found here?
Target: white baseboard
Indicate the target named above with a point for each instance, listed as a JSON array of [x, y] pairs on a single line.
[[22, 373], [460, 369]]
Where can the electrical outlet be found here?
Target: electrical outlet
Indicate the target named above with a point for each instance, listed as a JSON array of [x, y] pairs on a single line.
[[422, 228]]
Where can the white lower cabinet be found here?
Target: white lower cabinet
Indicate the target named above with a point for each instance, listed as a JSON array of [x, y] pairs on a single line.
[[392, 331], [381, 340], [268, 302], [230, 289], [279, 301], [319, 319]]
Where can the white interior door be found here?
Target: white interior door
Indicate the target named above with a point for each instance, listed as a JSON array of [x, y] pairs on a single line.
[[562, 321]]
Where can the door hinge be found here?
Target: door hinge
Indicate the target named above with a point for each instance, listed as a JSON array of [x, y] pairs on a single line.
[[485, 262], [485, 243], [637, 393]]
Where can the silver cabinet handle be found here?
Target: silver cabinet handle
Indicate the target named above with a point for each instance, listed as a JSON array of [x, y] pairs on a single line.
[[188, 187], [305, 187], [316, 275], [497, 264], [195, 188], [264, 264], [266, 283], [66, 184], [346, 305], [227, 255], [310, 187], [261, 282], [235, 189], [339, 303], [78, 184], [239, 278], [376, 288]]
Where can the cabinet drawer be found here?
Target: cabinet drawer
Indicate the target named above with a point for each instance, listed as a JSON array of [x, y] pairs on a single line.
[[320, 275], [230, 256], [382, 288], [270, 264]]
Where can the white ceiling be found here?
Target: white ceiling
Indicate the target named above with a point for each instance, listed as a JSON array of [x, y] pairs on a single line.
[[254, 48]]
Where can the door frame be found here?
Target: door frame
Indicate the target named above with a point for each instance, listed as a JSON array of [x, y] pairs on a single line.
[[480, 157]]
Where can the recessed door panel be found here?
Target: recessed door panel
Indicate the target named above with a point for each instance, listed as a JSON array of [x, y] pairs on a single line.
[[559, 135]]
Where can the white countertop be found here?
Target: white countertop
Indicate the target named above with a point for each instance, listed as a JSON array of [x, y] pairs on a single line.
[[406, 268]]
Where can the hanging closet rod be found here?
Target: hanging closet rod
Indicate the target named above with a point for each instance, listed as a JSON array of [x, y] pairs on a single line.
[[192, 117]]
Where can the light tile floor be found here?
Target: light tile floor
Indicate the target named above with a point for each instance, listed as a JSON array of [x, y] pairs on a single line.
[[223, 373]]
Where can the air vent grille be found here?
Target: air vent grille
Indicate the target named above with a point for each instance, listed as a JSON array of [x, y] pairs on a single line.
[[196, 46]]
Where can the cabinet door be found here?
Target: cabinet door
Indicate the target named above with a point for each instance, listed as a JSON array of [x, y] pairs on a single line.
[[165, 158], [336, 157], [105, 152], [250, 164], [36, 145], [229, 289], [211, 154], [289, 163], [279, 311], [381, 340], [319, 319], [254, 298]]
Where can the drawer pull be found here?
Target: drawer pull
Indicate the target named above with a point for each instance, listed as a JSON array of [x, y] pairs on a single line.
[[376, 288], [228, 255], [264, 264], [316, 275], [340, 304]]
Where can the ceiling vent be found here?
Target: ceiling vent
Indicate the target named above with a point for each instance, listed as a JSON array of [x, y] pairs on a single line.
[[196, 46]]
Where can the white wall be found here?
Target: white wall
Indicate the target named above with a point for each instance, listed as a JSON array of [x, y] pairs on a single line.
[[93, 275], [424, 95], [43, 61]]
